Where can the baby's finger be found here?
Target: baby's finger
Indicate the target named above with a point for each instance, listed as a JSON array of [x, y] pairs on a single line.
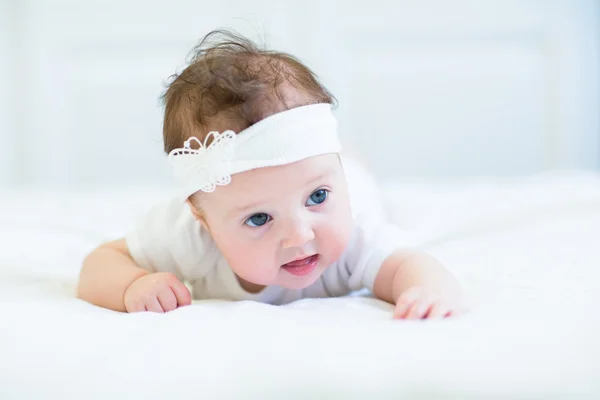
[[405, 301], [182, 293], [153, 305], [452, 313], [402, 308], [438, 310], [167, 299], [419, 309], [456, 311], [134, 306]]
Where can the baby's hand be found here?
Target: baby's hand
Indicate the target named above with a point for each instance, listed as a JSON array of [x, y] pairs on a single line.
[[420, 302], [159, 292]]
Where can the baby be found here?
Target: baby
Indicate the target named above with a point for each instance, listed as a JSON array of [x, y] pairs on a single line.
[[269, 210]]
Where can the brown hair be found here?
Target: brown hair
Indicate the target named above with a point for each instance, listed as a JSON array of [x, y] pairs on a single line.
[[232, 83]]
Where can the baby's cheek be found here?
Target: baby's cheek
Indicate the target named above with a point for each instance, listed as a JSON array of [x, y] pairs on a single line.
[[336, 239], [260, 275], [253, 266]]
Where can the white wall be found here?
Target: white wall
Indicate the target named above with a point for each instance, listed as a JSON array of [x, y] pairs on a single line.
[[428, 88], [6, 96]]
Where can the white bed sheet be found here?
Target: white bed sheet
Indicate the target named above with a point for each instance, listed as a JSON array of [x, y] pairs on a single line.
[[527, 251]]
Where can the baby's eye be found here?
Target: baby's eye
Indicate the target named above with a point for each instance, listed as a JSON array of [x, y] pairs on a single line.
[[258, 220], [317, 197]]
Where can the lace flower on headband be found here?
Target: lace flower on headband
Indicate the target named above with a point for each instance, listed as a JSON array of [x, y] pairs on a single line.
[[207, 166]]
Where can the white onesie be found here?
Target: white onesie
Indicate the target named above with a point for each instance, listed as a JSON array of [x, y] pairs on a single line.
[[169, 239]]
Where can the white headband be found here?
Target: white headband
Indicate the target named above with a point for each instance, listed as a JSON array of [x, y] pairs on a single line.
[[282, 138]]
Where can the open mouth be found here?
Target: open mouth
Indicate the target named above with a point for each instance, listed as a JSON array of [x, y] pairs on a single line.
[[302, 267]]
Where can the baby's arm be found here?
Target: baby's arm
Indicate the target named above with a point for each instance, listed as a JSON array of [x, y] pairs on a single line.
[[419, 286], [111, 279]]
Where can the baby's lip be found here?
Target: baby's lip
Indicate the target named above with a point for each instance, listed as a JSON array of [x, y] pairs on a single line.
[[303, 266], [300, 258]]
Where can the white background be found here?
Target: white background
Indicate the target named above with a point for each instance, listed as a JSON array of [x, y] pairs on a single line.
[[426, 88]]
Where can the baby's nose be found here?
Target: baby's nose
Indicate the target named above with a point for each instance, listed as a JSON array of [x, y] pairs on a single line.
[[297, 235]]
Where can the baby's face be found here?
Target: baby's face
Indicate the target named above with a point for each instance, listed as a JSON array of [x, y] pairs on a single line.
[[282, 225]]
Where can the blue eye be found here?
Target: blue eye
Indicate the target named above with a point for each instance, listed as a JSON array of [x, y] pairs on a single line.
[[258, 220], [317, 197]]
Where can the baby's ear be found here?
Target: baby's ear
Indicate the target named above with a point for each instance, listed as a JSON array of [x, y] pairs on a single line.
[[197, 214]]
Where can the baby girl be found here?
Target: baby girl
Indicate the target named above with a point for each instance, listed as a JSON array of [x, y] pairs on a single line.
[[269, 209]]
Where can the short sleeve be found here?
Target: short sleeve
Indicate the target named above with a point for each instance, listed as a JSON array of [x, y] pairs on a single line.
[[373, 238], [372, 241], [168, 239]]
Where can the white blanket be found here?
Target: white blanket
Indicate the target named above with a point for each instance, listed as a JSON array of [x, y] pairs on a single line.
[[526, 250]]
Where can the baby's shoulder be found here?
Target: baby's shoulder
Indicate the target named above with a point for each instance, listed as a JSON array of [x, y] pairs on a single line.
[[173, 222]]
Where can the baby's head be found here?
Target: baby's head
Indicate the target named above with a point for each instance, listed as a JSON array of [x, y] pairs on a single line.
[[274, 199]]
